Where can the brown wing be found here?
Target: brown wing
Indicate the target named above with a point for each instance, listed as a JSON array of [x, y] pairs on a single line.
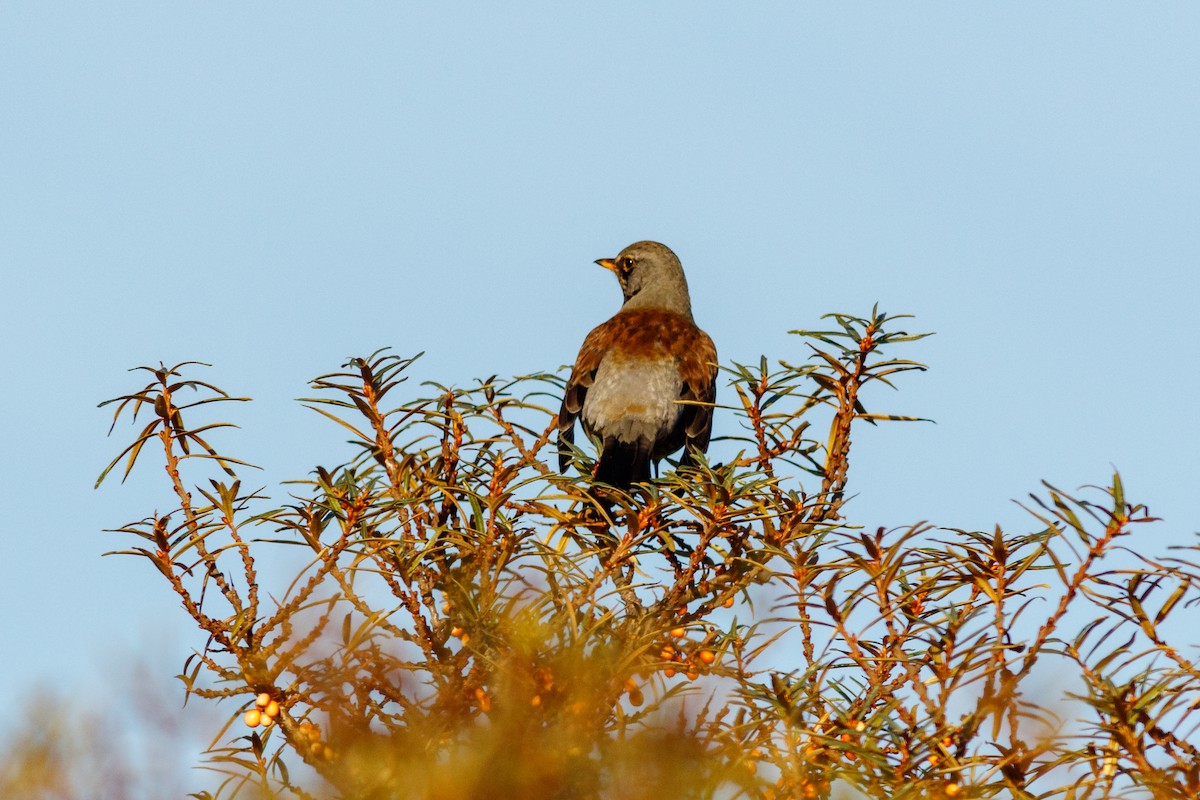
[[698, 368], [582, 374]]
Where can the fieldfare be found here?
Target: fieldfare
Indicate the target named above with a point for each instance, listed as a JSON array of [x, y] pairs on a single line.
[[632, 371]]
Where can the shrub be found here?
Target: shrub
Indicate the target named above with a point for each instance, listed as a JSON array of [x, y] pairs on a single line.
[[467, 622]]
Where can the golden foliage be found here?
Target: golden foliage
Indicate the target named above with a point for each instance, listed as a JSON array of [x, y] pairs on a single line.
[[469, 623]]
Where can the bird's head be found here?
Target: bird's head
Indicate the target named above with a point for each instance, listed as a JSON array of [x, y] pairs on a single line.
[[651, 277]]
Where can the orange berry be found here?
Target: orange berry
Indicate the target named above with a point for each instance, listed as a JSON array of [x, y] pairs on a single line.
[[262, 700], [708, 656], [272, 709], [952, 789], [252, 718], [670, 673], [536, 700], [316, 749], [691, 676], [266, 721], [678, 633], [636, 698], [728, 602], [456, 632]]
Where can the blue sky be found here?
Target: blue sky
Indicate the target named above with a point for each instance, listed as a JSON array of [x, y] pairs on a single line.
[[272, 187]]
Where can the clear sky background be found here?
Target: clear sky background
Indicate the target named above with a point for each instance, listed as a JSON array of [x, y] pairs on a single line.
[[272, 187]]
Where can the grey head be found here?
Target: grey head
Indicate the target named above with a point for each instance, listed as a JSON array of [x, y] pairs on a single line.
[[651, 277]]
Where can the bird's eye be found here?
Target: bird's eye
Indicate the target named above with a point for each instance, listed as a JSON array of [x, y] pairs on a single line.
[[625, 264]]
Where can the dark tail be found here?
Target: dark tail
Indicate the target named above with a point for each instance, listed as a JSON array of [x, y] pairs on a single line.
[[623, 463]]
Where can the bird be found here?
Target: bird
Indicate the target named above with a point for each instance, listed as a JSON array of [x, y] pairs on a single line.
[[633, 370]]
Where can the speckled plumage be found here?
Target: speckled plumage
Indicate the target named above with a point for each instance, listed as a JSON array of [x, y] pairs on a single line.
[[632, 371]]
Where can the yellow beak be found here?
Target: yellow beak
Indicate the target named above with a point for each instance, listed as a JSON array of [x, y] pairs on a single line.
[[608, 263]]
